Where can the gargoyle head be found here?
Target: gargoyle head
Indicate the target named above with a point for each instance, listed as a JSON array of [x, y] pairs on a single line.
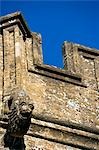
[[22, 102], [25, 107]]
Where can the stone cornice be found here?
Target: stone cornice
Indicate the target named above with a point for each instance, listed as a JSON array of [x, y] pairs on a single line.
[[13, 19], [56, 73]]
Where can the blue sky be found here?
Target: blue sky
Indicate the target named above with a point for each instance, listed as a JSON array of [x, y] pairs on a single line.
[[58, 21]]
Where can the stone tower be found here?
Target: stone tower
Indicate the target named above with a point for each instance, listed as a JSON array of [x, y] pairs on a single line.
[[66, 101]]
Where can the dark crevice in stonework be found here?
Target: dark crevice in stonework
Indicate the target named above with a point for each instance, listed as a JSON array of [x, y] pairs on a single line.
[[9, 103], [14, 56], [3, 68], [24, 38], [87, 56], [11, 29], [91, 52], [72, 58], [32, 52], [1, 31], [26, 56], [11, 65], [95, 75]]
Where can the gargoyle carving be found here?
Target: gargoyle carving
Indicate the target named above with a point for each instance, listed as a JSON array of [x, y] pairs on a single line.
[[19, 119]]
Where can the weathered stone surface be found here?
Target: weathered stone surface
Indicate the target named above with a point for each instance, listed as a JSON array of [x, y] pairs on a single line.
[[66, 101], [41, 144]]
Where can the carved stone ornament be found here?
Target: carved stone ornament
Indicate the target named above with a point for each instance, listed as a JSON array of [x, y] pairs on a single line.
[[19, 119]]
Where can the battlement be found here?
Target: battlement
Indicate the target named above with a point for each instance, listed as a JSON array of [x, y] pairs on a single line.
[[74, 55], [66, 99]]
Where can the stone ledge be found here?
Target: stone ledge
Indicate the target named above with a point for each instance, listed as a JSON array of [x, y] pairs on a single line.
[[56, 73], [64, 128], [73, 144], [89, 51], [68, 123], [61, 134]]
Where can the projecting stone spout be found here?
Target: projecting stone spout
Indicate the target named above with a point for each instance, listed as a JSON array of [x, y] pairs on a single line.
[[19, 119]]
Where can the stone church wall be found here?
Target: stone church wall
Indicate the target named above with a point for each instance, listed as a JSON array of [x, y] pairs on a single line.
[[66, 101]]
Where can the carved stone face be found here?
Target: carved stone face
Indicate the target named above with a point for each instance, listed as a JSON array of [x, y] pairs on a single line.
[[20, 113], [26, 109], [24, 104]]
